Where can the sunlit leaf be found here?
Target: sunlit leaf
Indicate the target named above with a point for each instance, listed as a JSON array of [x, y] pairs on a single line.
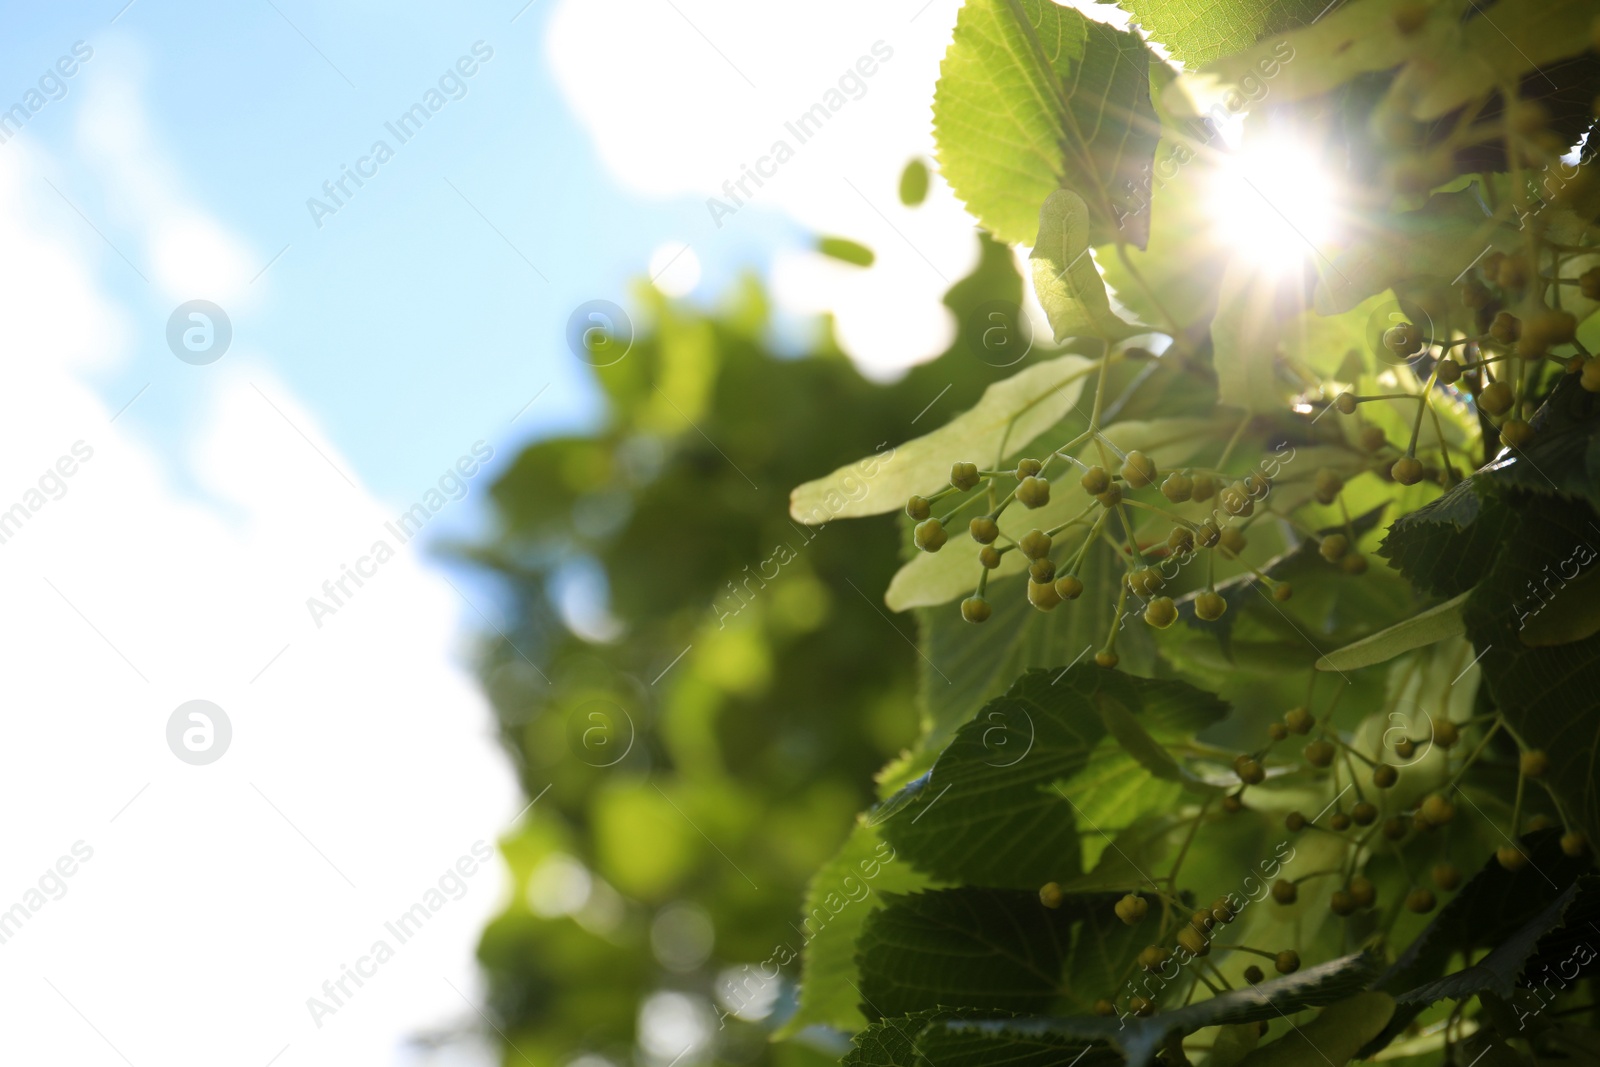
[[1252, 308], [1033, 97], [1355, 38], [1064, 276], [964, 667], [939, 577], [1199, 31], [1012, 412]]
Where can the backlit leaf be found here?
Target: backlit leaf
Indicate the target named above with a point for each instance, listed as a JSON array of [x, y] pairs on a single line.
[[1199, 31], [1033, 97], [1013, 412], [1064, 276]]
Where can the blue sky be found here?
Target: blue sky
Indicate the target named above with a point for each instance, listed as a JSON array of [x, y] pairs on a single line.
[[411, 322]]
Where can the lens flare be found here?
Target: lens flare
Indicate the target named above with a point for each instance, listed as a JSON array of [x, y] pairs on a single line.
[[1273, 203]]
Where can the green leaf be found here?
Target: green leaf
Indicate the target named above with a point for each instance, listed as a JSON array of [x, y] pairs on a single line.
[[989, 811], [930, 578], [1014, 411], [914, 1041], [982, 815], [1441, 546], [1572, 613], [943, 1047], [1064, 276], [1546, 694], [1486, 911], [1111, 794], [1145, 837], [964, 666], [842, 894], [1199, 31], [991, 949], [914, 183], [1356, 38], [1498, 972], [1246, 335], [1139, 1038], [1103, 952], [1179, 271], [1129, 732], [1564, 457], [889, 1042], [1488, 44], [1033, 97], [1295, 565], [1334, 1036], [1435, 624], [846, 251]]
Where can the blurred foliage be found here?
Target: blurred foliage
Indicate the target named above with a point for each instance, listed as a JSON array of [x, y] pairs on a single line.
[[696, 689]]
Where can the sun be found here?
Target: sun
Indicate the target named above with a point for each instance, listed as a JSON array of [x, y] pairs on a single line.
[[1272, 202]]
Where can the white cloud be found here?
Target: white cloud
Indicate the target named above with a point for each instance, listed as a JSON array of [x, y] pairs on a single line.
[[692, 94], [671, 113], [216, 899]]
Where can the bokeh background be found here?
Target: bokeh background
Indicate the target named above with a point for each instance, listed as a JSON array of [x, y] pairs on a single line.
[[561, 660]]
